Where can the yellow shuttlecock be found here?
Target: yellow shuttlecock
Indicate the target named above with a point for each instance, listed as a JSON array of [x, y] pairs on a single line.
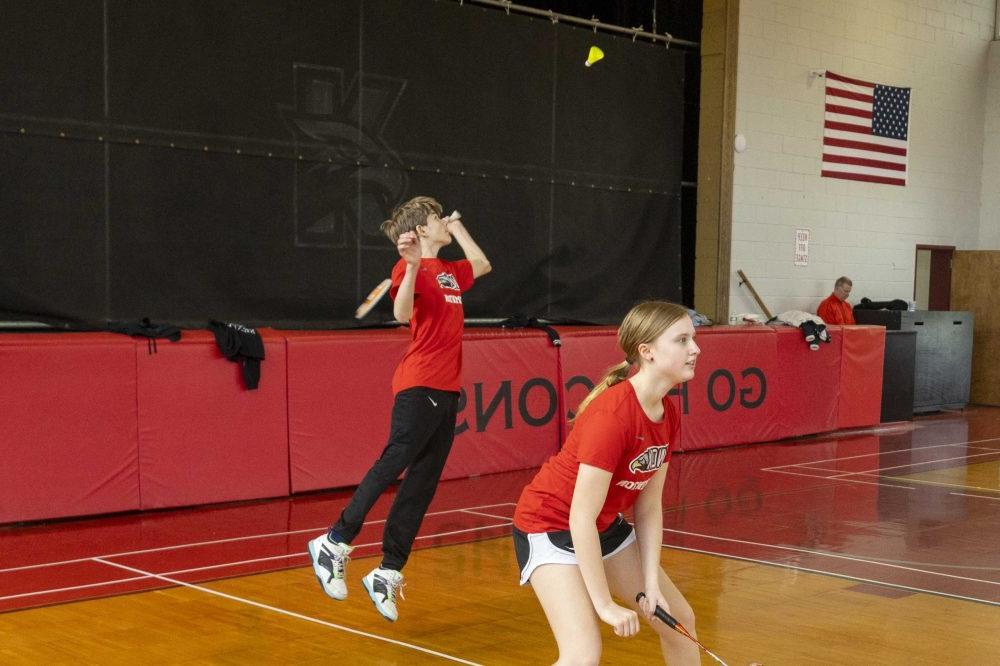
[[594, 55]]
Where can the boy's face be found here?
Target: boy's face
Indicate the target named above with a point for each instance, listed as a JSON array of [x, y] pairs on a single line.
[[436, 230]]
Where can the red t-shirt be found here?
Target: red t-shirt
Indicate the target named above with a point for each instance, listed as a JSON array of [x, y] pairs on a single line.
[[434, 357], [832, 310], [614, 434]]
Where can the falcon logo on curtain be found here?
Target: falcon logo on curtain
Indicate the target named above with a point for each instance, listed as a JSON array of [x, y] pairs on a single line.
[[866, 130]]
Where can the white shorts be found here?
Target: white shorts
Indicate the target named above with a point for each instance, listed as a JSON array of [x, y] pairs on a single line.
[[535, 549]]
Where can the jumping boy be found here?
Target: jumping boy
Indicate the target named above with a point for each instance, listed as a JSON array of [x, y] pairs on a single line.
[[427, 292]]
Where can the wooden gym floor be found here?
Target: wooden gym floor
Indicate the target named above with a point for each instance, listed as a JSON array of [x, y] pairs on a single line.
[[868, 547]]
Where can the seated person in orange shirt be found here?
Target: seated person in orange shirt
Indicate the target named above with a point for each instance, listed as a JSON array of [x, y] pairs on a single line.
[[834, 309]]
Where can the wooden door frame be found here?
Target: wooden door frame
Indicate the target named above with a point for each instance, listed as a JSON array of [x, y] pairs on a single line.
[[950, 249]]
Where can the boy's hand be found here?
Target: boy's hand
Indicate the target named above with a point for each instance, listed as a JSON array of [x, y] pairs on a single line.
[[453, 225], [409, 248]]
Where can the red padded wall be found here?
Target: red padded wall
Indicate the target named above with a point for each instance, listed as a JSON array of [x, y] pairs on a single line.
[[860, 402], [517, 376], [810, 382], [204, 438], [585, 354], [94, 423], [735, 395], [339, 404], [68, 425]]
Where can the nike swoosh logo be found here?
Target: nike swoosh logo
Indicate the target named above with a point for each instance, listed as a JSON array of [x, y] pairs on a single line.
[[432, 401]]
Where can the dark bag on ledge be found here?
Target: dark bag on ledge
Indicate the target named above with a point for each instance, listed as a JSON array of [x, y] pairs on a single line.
[[869, 304]]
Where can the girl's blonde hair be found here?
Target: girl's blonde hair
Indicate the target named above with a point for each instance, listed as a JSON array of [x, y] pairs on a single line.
[[408, 216], [643, 324]]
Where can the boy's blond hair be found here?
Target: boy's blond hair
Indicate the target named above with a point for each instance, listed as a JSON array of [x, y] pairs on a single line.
[[410, 215]]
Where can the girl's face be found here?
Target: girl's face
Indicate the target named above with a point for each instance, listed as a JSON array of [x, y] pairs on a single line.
[[673, 354]]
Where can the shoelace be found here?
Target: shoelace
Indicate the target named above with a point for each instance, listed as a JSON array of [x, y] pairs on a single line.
[[392, 586], [337, 559], [339, 563]]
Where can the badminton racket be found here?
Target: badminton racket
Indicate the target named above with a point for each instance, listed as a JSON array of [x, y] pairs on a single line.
[[378, 292], [669, 620], [373, 298]]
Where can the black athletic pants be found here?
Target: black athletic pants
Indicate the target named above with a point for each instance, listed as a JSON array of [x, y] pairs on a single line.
[[420, 437]]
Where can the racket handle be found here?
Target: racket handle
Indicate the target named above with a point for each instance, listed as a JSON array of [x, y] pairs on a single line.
[[661, 615]]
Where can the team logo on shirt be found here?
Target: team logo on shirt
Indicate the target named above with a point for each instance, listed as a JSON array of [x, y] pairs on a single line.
[[649, 460], [447, 281]]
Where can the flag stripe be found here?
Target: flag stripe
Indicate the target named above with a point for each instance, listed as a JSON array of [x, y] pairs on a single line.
[[867, 91], [862, 145], [870, 179], [864, 123], [861, 161], [852, 136], [865, 131], [850, 103], [847, 94], [863, 154], [863, 170], [846, 127], [846, 79], [846, 110]]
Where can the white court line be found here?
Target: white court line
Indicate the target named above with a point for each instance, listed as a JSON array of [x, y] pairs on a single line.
[[488, 515], [885, 453], [838, 479], [229, 540], [835, 575], [806, 468], [914, 464], [841, 477], [809, 465], [985, 497], [226, 564], [860, 455], [73, 587], [306, 554], [289, 613], [839, 472], [938, 484], [850, 558]]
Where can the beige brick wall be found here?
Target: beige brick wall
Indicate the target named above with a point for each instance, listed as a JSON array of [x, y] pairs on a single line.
[[940, 48]]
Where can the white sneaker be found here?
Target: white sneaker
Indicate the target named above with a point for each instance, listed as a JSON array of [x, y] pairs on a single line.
[[329, 560], [382, 586]]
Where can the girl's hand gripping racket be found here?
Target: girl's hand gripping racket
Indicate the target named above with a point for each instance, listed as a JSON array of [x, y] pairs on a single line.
[[669, 620]]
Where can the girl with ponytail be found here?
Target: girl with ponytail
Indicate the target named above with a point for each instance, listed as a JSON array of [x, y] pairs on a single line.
[[571, 541]]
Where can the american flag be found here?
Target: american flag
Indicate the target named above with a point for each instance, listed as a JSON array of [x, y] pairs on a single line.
[[865, 131]]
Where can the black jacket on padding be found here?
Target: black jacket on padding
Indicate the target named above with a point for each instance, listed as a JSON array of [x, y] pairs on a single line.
[[146, 329], [240, 344]]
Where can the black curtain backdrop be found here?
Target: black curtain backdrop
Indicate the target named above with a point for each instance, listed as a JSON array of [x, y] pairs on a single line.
[[233, 160]]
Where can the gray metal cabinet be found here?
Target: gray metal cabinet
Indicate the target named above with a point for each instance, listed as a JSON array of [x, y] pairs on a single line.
[[943, 370]]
